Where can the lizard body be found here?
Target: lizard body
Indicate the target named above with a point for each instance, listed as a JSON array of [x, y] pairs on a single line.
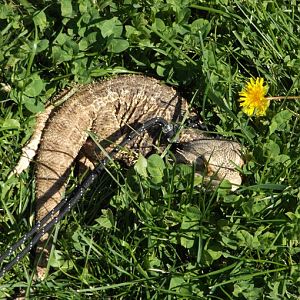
[[111, 109]]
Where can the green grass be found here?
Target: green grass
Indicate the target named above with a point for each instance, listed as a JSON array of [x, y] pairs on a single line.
[[166, 236]]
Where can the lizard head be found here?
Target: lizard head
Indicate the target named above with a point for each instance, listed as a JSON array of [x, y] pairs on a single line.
[[217, 159]]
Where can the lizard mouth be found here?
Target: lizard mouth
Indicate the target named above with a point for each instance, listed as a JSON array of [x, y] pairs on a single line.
[[185, 154]]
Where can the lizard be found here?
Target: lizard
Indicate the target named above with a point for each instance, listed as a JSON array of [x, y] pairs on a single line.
[[110, 109]]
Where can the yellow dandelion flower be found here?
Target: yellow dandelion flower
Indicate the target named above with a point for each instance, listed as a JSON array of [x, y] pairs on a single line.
[[252, 98]]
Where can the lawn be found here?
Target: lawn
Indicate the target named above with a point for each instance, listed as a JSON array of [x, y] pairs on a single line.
[[137, 236]]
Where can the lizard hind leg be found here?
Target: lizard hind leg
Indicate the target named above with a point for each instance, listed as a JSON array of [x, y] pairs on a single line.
[[87, 158]]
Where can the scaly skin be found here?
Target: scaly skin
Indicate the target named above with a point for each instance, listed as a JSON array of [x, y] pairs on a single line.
[[110, 109]]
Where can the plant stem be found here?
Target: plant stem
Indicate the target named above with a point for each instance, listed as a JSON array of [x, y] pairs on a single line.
[[283, 98]]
